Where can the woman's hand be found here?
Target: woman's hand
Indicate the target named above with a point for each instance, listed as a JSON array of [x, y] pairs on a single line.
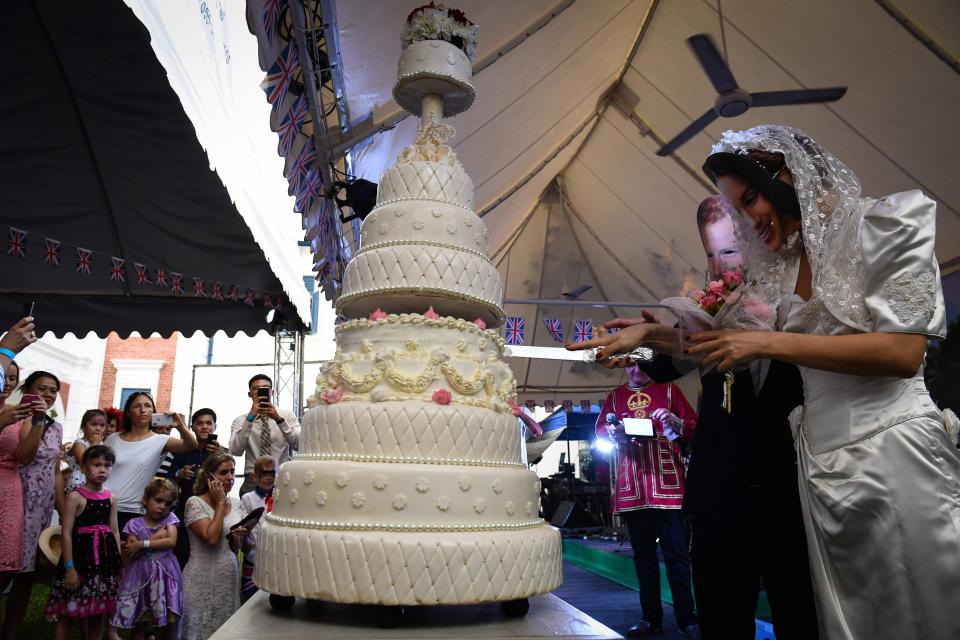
[[727, 347], [217, 494], [12, 413], [623, 341], [622, 323], [72, 579], [19, 335], [178, 422]]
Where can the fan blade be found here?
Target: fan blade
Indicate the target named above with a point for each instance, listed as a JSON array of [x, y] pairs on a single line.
[[712, 62], [796, 96], [695, 127]]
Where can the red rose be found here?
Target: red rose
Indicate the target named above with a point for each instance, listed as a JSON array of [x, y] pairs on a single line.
[[442, 396]]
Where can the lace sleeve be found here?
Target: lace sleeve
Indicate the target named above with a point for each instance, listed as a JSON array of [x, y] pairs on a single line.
[[194, 511], [902, 288]]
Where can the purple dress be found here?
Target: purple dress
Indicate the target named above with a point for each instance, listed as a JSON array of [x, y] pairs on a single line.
[[150, 590], [37, 480]]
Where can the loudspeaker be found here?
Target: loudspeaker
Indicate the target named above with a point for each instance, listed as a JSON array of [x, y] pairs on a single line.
[[570, 515]]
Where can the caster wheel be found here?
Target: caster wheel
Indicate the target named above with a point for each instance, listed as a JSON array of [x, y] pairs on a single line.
[[281, 603], [389, 617], [515, 608]]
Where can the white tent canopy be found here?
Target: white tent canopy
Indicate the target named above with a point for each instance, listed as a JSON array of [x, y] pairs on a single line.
[[568, 181]]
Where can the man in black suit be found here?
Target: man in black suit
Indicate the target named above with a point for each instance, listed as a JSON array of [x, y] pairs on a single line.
[[742, 499]]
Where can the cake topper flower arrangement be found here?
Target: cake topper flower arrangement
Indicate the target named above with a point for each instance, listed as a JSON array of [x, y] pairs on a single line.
[[436, 22]]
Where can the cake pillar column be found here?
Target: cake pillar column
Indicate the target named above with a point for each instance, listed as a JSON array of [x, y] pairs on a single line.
[[431, 111]]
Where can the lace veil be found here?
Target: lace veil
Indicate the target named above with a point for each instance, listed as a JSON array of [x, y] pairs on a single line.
[[830, 205]]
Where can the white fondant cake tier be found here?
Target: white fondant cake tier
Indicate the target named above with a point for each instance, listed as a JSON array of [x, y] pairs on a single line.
[[434, 67], [413, 430], [399, 278], [423, 568], [426, 180], [356, 496], [411, 357], [436, 223]]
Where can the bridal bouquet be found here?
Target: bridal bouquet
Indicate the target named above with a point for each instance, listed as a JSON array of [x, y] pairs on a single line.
[[436, 22], [732, 302]]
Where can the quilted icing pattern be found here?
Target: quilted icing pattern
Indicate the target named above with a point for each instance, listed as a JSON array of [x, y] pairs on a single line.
[[411, 429], [408, 568], [437, 223], [425, 180], [407, 267]]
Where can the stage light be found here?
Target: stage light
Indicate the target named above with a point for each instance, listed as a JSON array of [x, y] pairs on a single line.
[[603, 445], [361, 197]]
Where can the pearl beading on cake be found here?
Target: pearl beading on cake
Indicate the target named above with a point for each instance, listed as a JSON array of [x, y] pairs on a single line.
[[383, 526], [359, 457], [420, 199], [418, 319], [466, 87], [429, 243]]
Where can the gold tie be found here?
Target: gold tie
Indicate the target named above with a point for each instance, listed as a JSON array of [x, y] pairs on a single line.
[[266, 448]]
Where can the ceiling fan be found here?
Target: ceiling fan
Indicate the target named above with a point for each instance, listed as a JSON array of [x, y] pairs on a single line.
[[734, 101]]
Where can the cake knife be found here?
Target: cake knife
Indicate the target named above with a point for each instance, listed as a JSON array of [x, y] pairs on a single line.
[[640, 354]]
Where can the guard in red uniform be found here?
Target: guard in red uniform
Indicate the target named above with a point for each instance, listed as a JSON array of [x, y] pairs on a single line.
[[649, 492]]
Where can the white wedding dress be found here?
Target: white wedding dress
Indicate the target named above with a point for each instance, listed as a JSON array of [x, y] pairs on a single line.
[[879, 476]]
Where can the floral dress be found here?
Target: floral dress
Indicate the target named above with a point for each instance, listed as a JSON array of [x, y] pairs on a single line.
[[37, 480], [95, 557], [152, 584], [11, 497]]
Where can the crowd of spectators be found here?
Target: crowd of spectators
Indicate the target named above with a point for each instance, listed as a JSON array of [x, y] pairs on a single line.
[[152, 541]]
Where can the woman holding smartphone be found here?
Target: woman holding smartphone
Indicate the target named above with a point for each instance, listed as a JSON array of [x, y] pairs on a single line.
[[38, 454], [140, 451], [211, 579]]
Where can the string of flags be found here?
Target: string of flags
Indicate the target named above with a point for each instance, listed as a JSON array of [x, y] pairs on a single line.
[[158, 277], [514, 330]]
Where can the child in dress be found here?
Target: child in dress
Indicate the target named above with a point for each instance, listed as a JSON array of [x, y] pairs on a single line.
[[151, 589], [93, 425], [88, 573], [265, 470]]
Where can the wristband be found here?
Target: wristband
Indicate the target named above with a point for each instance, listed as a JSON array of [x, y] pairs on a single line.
[[146, 545], [251, 417], [7, 352], [68, 564], [281, 420]]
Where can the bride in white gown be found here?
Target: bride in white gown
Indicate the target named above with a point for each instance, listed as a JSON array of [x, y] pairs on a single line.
[[858, 289]]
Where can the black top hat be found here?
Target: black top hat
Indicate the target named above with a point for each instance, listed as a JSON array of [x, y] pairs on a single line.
[[779, 193]]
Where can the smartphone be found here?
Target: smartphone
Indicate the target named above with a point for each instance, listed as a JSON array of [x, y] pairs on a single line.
[[29, 398], [160, 420], [212, 438], [28, 309], [263, 392]]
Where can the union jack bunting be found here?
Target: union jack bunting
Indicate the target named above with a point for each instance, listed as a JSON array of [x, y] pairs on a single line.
[[582, 330], [301, 166], [83, 261], [17, 244], [143, 273], [291, 124], [553, 326], [324, 270], [340, 319], [51, 252], [116, 270], [248, 298], [514, 330], [271, 18], [161, 278], [548, 405], [176, 282], [531, 404], [234, 293], [280, 75], [568, 405], [309, 192], [217, 291], [585, 406], [267, 300], [199, 288]]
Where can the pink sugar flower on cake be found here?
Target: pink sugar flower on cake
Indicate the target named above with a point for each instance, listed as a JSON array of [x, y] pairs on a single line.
[[430, 314], [442, 396], [378, 315], [480, 323], [332, 395]]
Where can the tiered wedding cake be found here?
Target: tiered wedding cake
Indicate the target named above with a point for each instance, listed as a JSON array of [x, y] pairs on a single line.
[[409, 489]]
